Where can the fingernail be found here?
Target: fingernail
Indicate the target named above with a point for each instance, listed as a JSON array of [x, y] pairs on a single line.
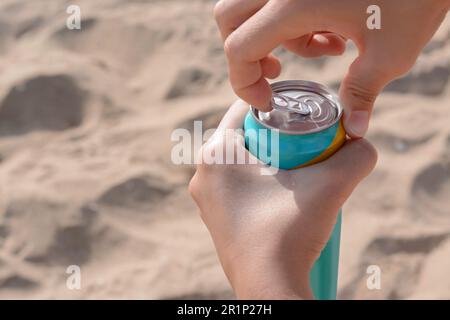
[[357, 123], [320, 38]]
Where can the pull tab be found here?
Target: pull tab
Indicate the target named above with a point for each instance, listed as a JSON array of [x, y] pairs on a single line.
[[286, 103]]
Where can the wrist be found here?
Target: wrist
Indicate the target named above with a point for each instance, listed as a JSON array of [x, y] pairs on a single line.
[[262, 282], [272, 292]]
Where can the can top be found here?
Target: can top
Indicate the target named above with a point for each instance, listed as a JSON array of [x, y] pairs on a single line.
[[300, 107]]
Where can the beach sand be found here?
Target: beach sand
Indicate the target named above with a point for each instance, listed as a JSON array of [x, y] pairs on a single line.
[[86, 176]]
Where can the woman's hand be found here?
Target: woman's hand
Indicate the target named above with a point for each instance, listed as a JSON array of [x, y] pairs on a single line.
[[269, 229], [252, 29]]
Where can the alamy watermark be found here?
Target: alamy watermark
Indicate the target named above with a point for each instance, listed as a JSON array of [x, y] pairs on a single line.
[[374, 20], [373, 281], [73, 281], [73, 22], [225, 147]]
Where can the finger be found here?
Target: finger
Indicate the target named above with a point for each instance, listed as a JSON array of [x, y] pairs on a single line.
[[230, 14], [325, 186], [234, 118], [317, 44], [359, 90], [230, 130], [251, 42]]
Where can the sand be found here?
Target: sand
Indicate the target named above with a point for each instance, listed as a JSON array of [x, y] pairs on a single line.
[[85, 170]]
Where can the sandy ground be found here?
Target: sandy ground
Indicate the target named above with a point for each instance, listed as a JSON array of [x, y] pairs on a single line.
[[85, 171]]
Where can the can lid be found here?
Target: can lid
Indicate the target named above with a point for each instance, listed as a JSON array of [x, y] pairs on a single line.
[[300, 107]]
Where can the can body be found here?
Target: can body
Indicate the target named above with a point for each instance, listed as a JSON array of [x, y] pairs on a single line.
[[294, 151], [299, 145]]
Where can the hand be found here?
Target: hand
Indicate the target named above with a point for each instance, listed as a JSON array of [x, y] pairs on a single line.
[[269, 230], [252, 29]]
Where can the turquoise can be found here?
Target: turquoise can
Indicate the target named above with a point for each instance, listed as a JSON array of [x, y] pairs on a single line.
[[304, 128]]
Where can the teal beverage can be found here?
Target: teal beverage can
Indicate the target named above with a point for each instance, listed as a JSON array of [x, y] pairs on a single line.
[[307, 121]]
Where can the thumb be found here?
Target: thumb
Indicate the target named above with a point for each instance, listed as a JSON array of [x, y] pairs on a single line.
[[359, 90]]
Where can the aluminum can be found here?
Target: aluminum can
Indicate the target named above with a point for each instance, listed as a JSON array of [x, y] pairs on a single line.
[[307, 119]]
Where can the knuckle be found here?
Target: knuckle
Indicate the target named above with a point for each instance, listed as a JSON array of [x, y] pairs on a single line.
[[232, 48], [362, 94], [220, 12], [193, 186], [195, 193]]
